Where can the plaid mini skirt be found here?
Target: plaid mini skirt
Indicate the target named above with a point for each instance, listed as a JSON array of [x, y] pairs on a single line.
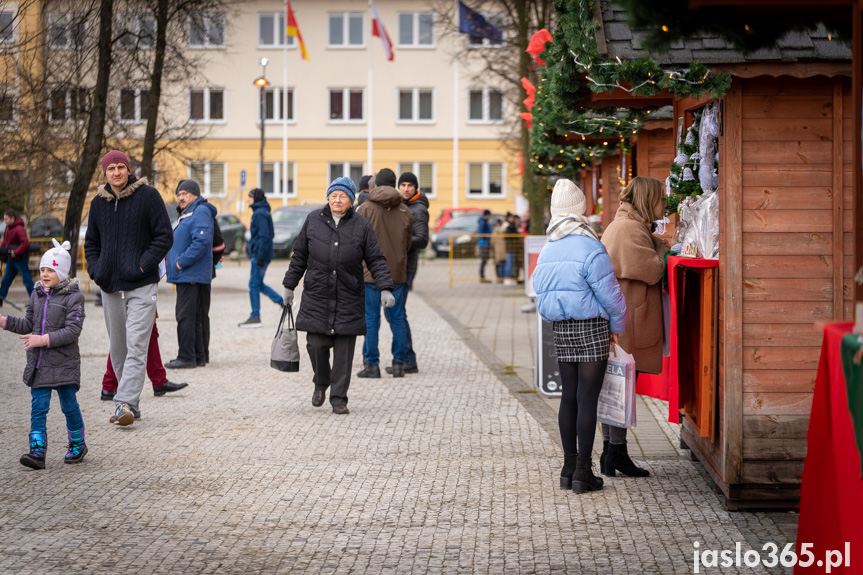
[[581, 340]]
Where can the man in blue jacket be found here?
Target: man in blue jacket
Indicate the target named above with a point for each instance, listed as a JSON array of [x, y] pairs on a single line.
[[190, 269], [261, 253], [484, 242]]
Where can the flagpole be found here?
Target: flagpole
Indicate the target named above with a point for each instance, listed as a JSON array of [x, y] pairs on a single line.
[[369, 169], [285, 110], [455, 114]]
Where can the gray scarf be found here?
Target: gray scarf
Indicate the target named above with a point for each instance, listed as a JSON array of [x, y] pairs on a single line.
[[567, 225]]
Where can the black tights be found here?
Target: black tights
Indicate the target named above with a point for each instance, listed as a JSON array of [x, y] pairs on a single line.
[[582, 383]]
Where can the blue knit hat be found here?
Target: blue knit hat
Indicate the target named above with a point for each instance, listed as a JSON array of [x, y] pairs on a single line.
[[346, 185]]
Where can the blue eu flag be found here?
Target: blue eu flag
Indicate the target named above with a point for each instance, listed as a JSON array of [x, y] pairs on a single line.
[[475, 24]]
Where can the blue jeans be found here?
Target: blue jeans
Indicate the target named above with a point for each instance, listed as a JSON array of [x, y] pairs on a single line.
[[373, 324], [510, 272], [13, 268], [257, 285], [410, 356], [41, 403]]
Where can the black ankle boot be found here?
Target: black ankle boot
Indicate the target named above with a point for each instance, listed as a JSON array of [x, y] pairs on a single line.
[[618, 459], [583, 480], [603, 456], [569, 465]]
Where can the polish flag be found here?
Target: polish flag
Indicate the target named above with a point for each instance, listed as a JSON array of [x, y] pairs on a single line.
[[380, 31]]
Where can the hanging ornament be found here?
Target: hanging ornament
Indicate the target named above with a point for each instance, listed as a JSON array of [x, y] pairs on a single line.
[[687, 175]]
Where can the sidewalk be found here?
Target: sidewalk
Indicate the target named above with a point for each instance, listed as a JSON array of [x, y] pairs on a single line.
[[452, 470]]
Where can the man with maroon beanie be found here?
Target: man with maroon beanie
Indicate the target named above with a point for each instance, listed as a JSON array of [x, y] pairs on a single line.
[[128, 235], [15, 247]]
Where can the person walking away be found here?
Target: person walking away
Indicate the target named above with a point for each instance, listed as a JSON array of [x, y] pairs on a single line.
[[498, 245], [484, 243], [330, 251], [190, 269], [577, 291], [512, 245], [128, 235], [16, 245], [261, 253], [50, 330], [639, 263], [418, 204], [392, 223], [363, 194]]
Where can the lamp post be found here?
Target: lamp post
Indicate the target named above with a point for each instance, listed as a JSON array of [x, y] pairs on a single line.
[[262, 83]]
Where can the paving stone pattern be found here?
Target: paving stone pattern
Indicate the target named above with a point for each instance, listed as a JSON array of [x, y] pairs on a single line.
[[446, 471]]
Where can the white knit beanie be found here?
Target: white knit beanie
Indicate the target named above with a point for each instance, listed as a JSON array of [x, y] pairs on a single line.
[[567, 198], [58, 259]]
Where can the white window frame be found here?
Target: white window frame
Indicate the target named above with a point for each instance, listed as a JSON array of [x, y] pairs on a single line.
[[346, 170], [346, 31], [69, 35], [139, 118], [279, 32], [415, 106], [69, 108], [277, 178], [415, 29], [10, 93], [206, 119], [209, 19], [11, 36], [496, 18], [485, 194], [205, 185], [136, 19], [346, 98], [415, 169], [486, 106], [278, 95]]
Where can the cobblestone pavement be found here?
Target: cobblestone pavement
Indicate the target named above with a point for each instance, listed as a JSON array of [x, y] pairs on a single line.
[[452, 470]]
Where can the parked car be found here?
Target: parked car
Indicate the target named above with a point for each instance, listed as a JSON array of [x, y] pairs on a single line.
[[464, 228], [287, 222], [232, 230], [450, 213], [46, 226]]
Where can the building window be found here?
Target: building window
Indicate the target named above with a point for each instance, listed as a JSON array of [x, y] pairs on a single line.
[[416, 106], [134, 105], [137, 30], [274, 105], [352, 170], [346, 105], [416, 30], [68, 105], [477, 42], [207, 30], [271, 30], [7, 109], [485, 106], [60, 178], [346, 30], [485, 180], [211, 176], [7, 27], [424, 171], [273, 180], [207, 105], [66, 31]]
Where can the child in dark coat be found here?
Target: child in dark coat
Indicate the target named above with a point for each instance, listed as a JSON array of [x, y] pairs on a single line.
[[50, 330]]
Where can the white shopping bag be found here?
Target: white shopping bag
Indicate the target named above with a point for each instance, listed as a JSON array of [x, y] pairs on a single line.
[[617, 398]]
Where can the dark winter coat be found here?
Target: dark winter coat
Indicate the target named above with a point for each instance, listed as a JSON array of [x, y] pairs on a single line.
[[419, 207], [392, 223], [331, 257], [482, 227], [193, 245], [261, 229], [59, 312], [128, 235], [16, 236]]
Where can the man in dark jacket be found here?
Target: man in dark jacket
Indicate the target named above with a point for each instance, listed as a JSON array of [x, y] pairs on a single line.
[[190, 268], [261, 253], [484, 243], [393, 225], [16, 247], [128, 235], [363, 194], [418, 204]]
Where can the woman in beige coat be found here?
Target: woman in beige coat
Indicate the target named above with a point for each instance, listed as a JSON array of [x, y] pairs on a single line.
[[638, 258]]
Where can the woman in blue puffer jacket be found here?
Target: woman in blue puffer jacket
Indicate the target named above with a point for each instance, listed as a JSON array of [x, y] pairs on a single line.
[[577, 290]]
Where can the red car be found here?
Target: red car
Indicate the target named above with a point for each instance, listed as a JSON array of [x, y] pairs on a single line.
[[450, 213]]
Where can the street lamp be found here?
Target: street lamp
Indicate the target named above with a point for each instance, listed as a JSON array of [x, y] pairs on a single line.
[[262, 83]]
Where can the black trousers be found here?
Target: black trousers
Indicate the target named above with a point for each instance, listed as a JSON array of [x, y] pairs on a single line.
[[202, 327], [189, 320], [338, 376]]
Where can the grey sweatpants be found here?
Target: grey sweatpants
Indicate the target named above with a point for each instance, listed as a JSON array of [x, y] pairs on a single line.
[[129, 317]]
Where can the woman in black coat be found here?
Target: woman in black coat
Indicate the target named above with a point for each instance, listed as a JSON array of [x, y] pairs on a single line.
[[330, 250]]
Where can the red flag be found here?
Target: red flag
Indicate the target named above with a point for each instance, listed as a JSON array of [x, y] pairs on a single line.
[[381, 32], [294, 30]]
